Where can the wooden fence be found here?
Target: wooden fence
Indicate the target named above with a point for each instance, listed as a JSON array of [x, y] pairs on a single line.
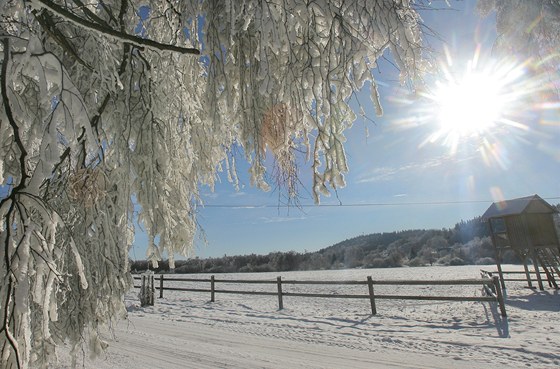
[[490, 286], [527, 276], [491, 273]]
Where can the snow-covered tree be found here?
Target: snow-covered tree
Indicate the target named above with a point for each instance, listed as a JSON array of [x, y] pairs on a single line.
[[110, 103], [529, 32]]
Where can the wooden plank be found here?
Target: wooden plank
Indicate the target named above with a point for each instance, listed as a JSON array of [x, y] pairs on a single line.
[[187, 279], [161, 286], [245, 281], [489, 291], [520, 272], [437, 298], [287, 281], [186, 289], [167, 278], [554, 265], [300, 294], [513, 272], [156, 287], [397, 297], [499, 295], [179, 289], [457, 282], [258, 293], [548, 265]]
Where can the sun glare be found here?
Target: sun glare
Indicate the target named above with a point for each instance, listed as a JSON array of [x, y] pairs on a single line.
[[482, 106], [473, 108], [469, 106]]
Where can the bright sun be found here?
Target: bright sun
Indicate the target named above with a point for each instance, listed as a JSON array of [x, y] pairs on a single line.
[[475, 104], [469, 106]]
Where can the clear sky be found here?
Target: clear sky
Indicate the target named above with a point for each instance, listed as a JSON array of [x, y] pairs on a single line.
[[402, 176]]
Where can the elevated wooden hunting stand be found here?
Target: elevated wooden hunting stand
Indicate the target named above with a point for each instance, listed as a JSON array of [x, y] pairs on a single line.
[[526, 226]]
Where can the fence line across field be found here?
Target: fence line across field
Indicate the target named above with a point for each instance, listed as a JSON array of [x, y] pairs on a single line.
[[491, 287]]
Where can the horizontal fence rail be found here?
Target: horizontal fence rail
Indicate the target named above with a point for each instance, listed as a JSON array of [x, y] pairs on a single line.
[[532, 273], [490, 286]]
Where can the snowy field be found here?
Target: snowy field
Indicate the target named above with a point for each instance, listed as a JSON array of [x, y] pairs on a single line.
[[186, 330]]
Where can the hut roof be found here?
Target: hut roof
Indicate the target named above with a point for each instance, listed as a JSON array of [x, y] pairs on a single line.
[[523, 205]]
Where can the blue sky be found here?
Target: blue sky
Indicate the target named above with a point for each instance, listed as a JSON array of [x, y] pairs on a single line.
[[398, 178]]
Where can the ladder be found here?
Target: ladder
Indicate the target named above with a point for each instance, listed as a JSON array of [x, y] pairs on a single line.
[[549, 259]]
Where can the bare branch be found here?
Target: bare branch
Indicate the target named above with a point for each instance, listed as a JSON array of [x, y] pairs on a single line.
[[10, 115]]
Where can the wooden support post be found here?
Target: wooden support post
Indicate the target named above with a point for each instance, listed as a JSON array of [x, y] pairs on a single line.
[[499, 265], [143, 299], [161, 286], [527, 274], [280, 301], [212, 288], [152, 289], [536, 266], [371, 296], [499, 295], [497, 253]]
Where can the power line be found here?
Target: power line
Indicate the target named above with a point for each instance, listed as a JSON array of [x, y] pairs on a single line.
[[350, 205]]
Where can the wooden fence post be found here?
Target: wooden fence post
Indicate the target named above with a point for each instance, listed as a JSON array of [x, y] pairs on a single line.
[[280, 302], [147, 290], [151, 289], [371, 296], [212, 288], [499, 295], [143, 291], [161, 286]]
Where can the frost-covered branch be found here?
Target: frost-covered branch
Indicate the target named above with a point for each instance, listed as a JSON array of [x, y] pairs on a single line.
[[49, 26], [108, 31], [10, 116], [528, 33]]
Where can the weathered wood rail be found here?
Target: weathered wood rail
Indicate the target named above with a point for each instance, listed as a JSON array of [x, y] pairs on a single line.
[[513, 273], [490, 286]]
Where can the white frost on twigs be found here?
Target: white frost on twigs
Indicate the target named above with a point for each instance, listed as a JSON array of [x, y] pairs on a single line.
[[97, 127]]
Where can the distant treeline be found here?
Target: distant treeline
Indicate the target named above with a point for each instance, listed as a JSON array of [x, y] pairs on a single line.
[[467, 243]]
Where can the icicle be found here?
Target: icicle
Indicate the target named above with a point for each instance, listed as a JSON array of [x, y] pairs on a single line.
[[79, 265], [376, 99]]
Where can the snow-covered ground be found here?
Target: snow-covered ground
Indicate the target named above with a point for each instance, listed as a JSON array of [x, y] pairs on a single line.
[[186, 330]]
